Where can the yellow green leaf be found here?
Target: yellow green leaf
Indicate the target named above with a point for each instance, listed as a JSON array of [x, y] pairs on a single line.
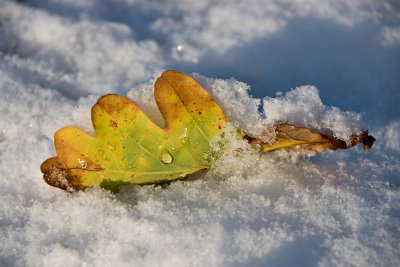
[[129, 148]]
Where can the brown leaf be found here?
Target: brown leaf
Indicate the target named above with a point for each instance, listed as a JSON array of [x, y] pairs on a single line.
[[292, 137]]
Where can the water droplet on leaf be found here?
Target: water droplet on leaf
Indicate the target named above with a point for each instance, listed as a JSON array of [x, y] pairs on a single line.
[[166, 157], [82, 163]]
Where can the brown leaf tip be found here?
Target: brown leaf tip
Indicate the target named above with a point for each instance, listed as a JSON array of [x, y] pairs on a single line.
[[368, 141], [365, 139], [57, 178]]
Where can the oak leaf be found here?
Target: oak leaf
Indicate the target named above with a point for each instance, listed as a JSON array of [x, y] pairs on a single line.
[[128, 148], [292, 137]]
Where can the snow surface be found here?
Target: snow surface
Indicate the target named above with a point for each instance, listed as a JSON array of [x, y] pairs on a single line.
[[337, 208]]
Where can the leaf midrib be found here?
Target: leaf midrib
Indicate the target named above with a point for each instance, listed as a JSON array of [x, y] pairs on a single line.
[[145, 173]]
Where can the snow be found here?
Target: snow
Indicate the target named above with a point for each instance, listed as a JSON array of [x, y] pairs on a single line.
[[330, 65]]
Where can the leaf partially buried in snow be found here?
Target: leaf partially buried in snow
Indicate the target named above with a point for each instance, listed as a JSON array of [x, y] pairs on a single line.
[[289, 136], [129, 148]]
